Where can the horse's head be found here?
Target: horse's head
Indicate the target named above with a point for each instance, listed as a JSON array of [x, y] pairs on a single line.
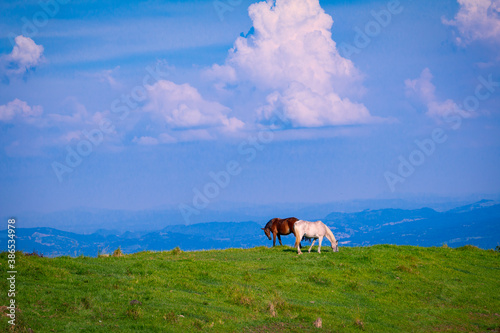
[[335, 247], [267, 228], [267, 231]]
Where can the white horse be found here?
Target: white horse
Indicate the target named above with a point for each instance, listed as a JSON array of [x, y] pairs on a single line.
[[314, 230]]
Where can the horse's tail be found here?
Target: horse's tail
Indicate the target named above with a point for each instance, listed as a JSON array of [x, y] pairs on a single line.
[[297, 233]]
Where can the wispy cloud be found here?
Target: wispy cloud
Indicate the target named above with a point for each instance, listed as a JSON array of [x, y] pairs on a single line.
[[425, 91], [106, 76], [150, 141]]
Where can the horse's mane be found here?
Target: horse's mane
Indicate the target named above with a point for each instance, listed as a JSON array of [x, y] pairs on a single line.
[[269, 224]]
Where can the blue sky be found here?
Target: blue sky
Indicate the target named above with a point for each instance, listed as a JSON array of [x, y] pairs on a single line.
[[300, 117]]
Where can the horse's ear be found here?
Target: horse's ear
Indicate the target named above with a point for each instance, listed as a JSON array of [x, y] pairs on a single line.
[[263, 228]]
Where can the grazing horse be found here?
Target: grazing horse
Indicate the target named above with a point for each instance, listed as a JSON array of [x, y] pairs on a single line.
[[314, 230], [280, 227]]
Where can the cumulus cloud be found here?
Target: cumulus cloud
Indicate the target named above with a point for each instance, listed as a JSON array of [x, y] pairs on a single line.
[[425, 91], [25, 56], [182, 107], [477, 20], [290, 54], [19, 109]]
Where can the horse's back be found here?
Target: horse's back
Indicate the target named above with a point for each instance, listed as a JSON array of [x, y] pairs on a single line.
[[311, 229], [286, 226]]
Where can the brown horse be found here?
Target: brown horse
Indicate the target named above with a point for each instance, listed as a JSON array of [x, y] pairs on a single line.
[[280, 227]]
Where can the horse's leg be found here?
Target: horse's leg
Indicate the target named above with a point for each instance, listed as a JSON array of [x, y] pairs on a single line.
[[320, 239], [279, 238], [274, 239], [311, 245], [297, 243]]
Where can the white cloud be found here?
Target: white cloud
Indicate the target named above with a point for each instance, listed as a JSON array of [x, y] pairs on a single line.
[[146, 141], [477, 20], [182, 107], [25, 56], [424, 90], [291, 56], [19, 109]]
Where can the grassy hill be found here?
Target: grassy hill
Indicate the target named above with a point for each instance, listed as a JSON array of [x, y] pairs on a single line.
[[382, 288]]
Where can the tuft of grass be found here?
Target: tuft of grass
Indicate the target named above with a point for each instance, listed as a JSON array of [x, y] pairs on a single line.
[[272, 310], [358, 323], [468, 248], [175, 251], [86, 302], [404, 268], [279, 303], [118, 253], [315, 278], [171, 317], [198, 324], [239, 296], [134, 313], [354, 285]]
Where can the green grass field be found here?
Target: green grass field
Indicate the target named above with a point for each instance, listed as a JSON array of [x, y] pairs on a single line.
[[382, 288]]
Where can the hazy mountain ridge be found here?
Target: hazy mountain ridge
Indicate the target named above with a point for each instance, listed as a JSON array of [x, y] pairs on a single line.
[[477, 224], [91, 220]]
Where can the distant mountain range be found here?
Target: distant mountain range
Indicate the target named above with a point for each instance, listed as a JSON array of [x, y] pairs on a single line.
[[477, 224], [86, 220]]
